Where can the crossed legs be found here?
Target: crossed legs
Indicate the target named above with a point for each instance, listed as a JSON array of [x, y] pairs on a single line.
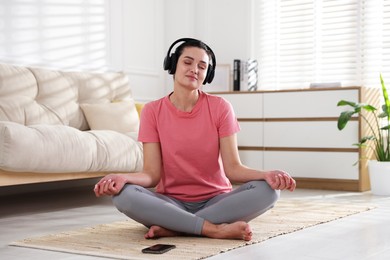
[[224, 216]]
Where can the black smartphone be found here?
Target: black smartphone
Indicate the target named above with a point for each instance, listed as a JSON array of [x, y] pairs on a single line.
[[158, 249]]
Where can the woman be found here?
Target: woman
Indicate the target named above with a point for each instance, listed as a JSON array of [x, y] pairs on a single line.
[[191, 155]]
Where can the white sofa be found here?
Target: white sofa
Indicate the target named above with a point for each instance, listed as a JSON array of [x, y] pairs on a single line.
[[59, 125]]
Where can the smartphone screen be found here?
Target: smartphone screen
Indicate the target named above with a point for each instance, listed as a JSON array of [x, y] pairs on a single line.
[[158, 249]]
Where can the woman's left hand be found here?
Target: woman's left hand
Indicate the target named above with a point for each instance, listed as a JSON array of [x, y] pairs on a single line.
[[110, 185], [280, 180]]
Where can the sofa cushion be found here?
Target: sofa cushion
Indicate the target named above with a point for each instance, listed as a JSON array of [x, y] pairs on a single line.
[[32, 96], [61, 149], [98, 88], [18, 98], [119, 116], [57, 96]]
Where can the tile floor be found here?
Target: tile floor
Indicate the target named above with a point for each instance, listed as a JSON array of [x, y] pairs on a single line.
[[59, 208]]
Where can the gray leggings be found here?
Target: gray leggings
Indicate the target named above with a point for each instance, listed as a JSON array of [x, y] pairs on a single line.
[[149, 208]]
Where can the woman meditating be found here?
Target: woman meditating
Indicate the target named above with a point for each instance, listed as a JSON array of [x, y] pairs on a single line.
[[191, 158]]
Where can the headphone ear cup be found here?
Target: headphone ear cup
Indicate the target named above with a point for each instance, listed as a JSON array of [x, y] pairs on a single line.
[[173, 63], [170, 63], [166, 63], [210, 75]]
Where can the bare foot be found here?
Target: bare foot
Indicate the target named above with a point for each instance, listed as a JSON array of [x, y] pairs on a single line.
[[236, 230], [157, 231]]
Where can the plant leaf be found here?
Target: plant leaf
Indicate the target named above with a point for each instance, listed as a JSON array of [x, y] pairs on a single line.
[[343, 119], [367, 107], [346, 103], [384, 111], [385, 127], [367, 138], [360, 145], [385, 96], [382, 115]]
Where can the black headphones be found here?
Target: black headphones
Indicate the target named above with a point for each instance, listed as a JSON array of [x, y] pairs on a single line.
[[170, 60]]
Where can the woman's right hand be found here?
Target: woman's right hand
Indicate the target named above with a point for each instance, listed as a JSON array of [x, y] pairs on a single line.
[[110, 185]]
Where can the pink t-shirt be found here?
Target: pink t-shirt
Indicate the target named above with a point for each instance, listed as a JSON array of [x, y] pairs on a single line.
[[192, 167]]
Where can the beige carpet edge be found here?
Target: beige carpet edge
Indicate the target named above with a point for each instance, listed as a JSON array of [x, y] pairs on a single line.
[[223, 247]]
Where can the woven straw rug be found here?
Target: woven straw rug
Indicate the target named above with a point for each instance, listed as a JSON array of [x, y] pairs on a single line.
[[124, 240]]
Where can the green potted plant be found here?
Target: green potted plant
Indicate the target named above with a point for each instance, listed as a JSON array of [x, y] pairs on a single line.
[[378, 139]]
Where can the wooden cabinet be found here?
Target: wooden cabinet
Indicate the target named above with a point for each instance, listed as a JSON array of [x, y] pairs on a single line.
[[296, 130]]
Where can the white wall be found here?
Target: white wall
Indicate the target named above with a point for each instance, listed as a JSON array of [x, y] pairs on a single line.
[[137, 44], [55, 33], [128, 35]]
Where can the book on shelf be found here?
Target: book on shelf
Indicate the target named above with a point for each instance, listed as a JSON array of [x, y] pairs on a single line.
[[245, 73], [236, 74]]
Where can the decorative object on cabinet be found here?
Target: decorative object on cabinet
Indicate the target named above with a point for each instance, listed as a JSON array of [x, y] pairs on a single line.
[[377, 141], [245, 75]]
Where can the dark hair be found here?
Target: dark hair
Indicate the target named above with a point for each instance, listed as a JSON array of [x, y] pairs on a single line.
[[194, 43]]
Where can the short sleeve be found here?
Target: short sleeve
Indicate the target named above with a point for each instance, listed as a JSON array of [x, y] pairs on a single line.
[[148, 125], [228, 123]]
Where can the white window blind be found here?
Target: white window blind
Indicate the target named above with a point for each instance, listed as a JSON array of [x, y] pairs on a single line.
[[298, 42]]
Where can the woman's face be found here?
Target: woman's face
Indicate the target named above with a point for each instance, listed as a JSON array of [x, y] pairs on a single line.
[[192, 67]]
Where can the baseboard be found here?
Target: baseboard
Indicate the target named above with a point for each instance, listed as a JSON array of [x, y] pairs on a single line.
[[329, 184]]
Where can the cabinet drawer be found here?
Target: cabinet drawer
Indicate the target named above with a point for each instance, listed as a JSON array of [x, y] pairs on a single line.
[[251, 134], [252, 159], [311, 134], [327, 165], [307, 103], [246, 105]]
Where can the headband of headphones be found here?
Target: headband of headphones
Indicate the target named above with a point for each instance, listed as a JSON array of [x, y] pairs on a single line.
[[170, 60]]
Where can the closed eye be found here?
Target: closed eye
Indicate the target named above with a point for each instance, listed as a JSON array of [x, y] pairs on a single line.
[[202, 67]]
